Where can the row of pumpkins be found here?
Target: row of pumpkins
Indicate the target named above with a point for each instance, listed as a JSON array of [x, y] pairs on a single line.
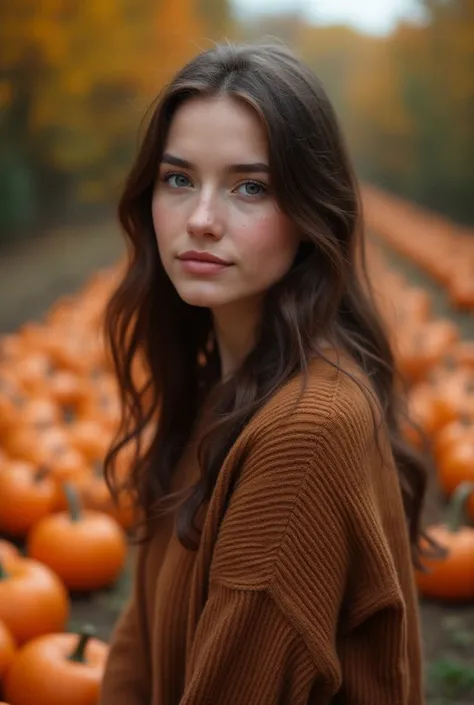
[[442, 248], [438, 368], [59, 408]]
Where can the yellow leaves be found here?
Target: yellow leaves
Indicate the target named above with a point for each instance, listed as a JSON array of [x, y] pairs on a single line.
[[83, 72], [179, 31], [91, 191], [76, 82], [46, 35]]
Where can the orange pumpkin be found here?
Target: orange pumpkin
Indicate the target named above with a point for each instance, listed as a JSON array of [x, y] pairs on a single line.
[[449, 436], [58, 669], [67, 352], [7, 649], [453, 396], [421, 412], [33, 600], [86, 548], [414, 306], [33, 371], [95, 494], [11, 398], [456, 465], [37, 446], [68, 390], [423, 346], [38, 412], [463, 353], [67, 466], [12, 346], [461, 289], [451, 577], [26, 495], [89, 438]]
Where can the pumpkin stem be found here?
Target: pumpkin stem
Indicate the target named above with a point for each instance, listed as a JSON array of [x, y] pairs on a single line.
[[457, 506], [40, 474], [449, 362], [69, 414], [3, 572], [465, 420], [73, 501], [78, 655]]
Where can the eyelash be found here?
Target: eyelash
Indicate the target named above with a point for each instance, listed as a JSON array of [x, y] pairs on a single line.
[[263, 186]]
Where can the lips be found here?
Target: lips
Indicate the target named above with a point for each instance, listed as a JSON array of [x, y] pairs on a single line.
[[193, 255]]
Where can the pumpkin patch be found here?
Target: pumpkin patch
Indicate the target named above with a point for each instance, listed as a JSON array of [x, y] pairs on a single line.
[[62, 533]]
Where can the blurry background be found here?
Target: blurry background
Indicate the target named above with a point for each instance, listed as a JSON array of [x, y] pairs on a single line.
[[76, 78]]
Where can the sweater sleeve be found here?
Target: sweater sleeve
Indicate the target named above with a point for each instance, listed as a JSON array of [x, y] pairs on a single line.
[[126, 679], [246, 652], [303, 530]]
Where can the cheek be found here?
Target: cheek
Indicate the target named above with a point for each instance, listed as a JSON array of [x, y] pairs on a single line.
[[272, 238], [166, 221]]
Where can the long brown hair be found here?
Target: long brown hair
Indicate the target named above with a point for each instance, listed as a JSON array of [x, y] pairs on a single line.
[[326, 293]]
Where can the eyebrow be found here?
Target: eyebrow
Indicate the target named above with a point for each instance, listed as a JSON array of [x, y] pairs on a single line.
[[254, 167]]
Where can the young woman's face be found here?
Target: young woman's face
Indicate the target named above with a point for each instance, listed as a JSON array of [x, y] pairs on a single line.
[[213, 199]]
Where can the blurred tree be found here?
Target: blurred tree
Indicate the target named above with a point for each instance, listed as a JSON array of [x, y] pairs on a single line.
[[217, 17], [179, 35], [284, 27], [440, 94], [75, 77], [406, 102]]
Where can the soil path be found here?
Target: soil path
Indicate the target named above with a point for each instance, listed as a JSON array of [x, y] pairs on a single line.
[[33, 274]]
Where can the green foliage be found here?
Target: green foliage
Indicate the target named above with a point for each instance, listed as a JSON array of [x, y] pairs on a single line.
[[17, 193], [451, 679]]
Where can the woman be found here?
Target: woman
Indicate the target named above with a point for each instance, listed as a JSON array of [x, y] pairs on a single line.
[[280, 504]]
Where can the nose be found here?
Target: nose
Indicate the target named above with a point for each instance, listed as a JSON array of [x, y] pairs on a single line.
[[206, 220]]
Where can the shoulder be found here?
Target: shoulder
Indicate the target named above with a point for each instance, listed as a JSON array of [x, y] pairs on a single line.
[[307, 473], [332, 408]]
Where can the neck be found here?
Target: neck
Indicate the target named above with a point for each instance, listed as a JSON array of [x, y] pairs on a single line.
[[235, 329]]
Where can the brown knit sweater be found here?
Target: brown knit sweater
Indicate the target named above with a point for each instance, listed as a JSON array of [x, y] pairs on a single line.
[[302, 589]]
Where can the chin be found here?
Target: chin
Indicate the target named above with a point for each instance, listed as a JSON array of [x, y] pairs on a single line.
[[198, 296]]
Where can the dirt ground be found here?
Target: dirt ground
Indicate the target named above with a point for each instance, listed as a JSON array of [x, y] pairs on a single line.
[[33, 275]]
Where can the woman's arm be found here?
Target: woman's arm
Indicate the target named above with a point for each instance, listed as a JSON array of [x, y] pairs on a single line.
[[126, 679], [248, 652]]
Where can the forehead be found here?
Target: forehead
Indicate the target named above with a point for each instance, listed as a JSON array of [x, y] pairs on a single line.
[[220, 127]]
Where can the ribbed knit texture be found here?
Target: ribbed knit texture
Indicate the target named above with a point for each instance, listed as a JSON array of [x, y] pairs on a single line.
[[302, 589]]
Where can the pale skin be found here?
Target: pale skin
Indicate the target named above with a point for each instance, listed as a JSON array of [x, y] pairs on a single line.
[[213, 195]]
